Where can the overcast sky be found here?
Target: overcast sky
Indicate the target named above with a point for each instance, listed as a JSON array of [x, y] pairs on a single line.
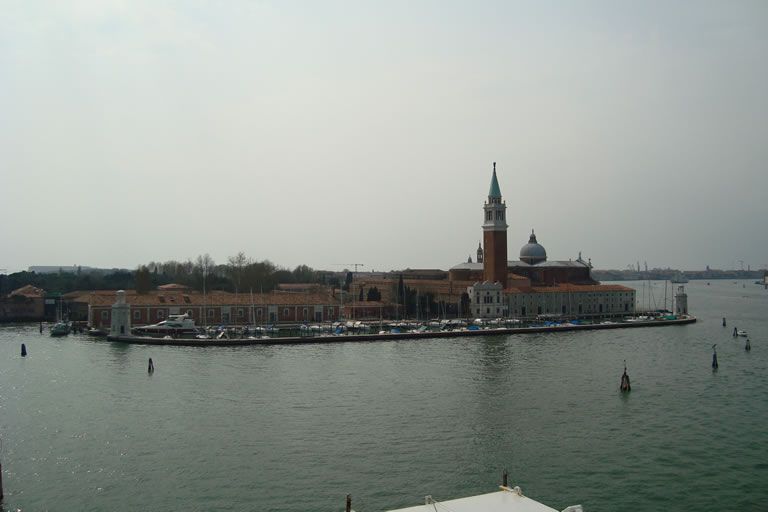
[[327, 133]]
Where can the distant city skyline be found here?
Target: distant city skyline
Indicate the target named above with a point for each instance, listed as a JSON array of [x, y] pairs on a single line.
[[340, 132]]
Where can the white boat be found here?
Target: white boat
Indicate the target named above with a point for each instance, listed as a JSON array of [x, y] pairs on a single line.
[[505, 500], [741, 333], [61, 328], [174, 325]]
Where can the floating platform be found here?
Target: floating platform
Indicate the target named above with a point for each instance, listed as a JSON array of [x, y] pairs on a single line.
[[390, 336]]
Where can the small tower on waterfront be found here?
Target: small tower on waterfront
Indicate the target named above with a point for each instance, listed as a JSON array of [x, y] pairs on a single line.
[[495, 235], [681, 301], [121, 316]]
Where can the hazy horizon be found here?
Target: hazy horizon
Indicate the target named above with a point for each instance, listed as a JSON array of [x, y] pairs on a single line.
[[359, 132]]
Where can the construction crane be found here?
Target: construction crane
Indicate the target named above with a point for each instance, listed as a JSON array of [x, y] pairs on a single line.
[[350, 264]]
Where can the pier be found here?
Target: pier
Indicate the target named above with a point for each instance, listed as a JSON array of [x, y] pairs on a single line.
[[390, 336]]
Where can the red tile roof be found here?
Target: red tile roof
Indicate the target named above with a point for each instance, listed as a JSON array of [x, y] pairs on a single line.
[[181, 299], [28, 291]]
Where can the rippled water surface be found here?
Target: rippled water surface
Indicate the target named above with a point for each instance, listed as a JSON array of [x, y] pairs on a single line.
[[296, 428]]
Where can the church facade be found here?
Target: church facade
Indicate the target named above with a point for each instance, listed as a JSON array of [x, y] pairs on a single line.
[[532, 285]]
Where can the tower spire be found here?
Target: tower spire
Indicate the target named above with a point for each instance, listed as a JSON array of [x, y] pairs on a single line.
[[495, 191], [494, 235]]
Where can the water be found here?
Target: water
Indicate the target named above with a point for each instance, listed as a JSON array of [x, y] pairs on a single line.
[[296, 428]]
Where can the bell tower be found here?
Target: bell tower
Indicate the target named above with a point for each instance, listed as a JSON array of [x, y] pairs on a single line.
[[495, 235], [479, 252]]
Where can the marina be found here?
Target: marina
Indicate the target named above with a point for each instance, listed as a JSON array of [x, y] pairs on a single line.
[[393, 336], [298, 427]]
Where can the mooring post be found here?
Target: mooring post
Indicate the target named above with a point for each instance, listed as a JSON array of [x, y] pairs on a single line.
[[504, 478], [1, 481], [349, 503], [23, 350]]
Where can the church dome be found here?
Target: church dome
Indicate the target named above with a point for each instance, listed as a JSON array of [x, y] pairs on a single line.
[[532, 252]]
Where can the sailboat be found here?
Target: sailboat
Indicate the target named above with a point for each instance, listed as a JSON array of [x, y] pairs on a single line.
[[61, 327]]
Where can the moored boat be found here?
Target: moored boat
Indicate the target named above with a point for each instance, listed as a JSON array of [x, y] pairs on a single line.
[[177, 325], [61, 328]]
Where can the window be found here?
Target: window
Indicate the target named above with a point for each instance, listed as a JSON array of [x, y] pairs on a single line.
[[160, 314], [258, 312], [104, 315], [211, 313], [285, 313], [539, 309], [240, 313], [330, 311], [189, 313], [137, 315], [305, 313]]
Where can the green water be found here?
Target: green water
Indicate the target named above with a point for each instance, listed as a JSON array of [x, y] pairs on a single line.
[[296, 428]]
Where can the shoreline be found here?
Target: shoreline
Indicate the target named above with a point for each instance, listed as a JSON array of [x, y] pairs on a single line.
[[389, 336]]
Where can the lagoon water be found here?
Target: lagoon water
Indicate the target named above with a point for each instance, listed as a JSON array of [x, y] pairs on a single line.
[[296, 428]]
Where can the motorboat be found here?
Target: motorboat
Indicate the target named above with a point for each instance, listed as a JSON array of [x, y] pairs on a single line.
[[174, 325], [61, 328]]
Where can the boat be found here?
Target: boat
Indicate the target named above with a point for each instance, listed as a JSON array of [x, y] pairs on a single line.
[[679, 278], [506, 499], [741, 333], [61, 328], [175, 324]]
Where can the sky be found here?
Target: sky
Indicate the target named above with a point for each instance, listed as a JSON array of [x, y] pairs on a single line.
[[339, 132]]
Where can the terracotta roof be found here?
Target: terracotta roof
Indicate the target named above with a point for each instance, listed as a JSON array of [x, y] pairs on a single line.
[[28, 291], [172, 286], [570, 288], [181, 299]]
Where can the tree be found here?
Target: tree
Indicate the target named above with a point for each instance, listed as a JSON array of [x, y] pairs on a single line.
[[373, 294], [305, 274], [143, 280], [347, 282], [204, 266], [465, 302], [361, 294], [235, 268]]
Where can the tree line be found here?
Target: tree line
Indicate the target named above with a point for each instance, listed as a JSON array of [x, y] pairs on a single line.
[[239, 274]]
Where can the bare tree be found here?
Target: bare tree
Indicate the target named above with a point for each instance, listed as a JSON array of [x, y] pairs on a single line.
[[203, 266], [235, 268]]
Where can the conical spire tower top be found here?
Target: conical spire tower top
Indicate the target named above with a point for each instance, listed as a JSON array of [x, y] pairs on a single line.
[[495, 191]]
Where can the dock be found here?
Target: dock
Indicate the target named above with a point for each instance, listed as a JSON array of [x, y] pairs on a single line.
[[391, 336]]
